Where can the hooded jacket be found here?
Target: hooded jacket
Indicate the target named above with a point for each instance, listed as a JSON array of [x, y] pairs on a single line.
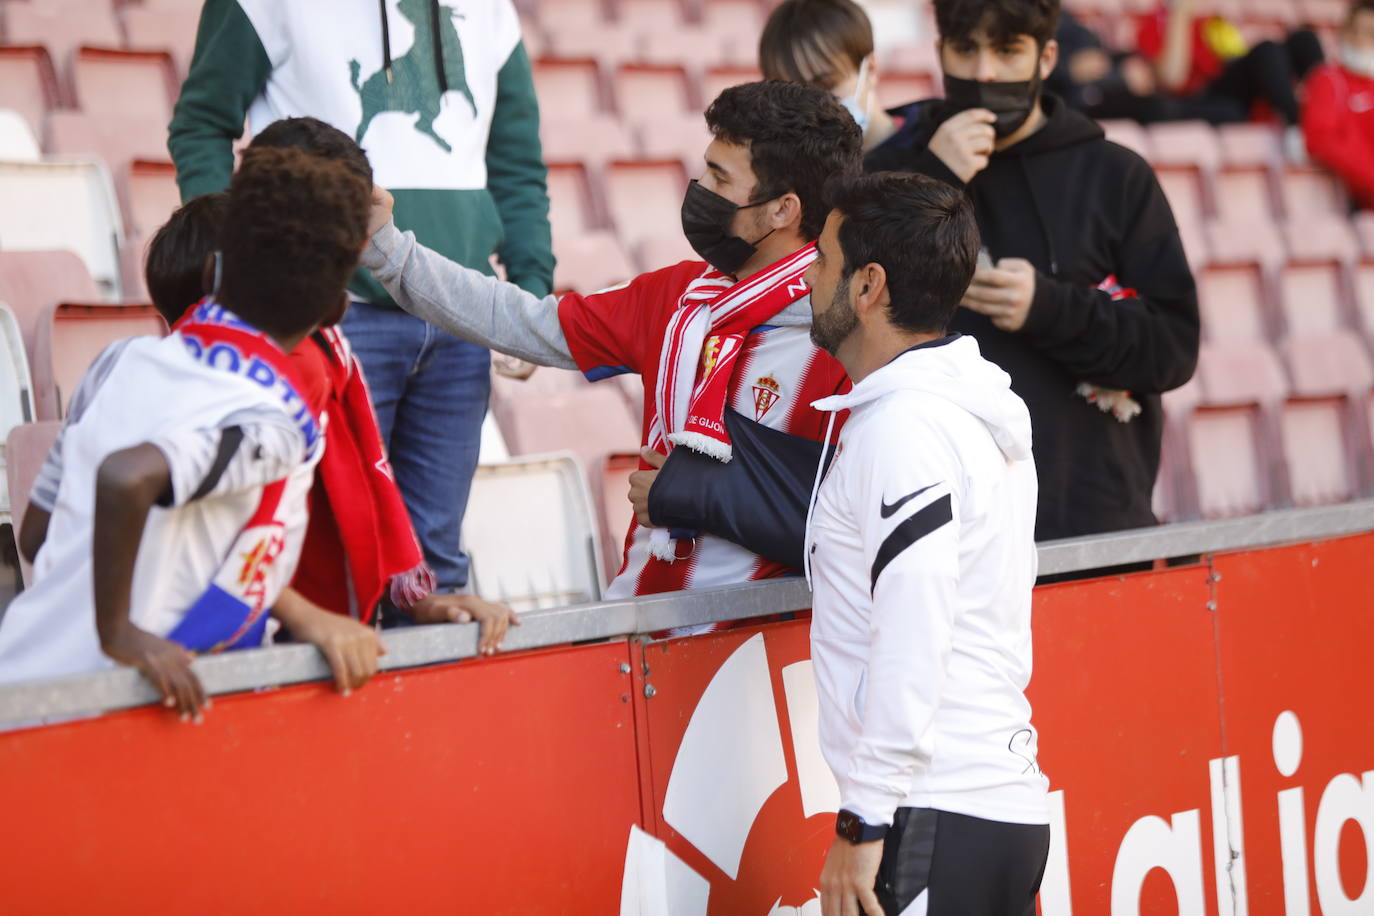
[[1115, 305], [922, 557]]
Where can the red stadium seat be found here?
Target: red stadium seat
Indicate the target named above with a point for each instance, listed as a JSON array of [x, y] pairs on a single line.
[[732, 17], [1312, 298], [169, 30], [28, 84], [694, 46], [133, 255], [70, 336], [675, 136], [911, 57], [664, 250], [32, 281], [116, 138], [646, 93], [1195, 244], [1244, 195], [569, 86], [1364, 229], [1325, 13], [1227, 451], [1128, 134], [591, 418], [1186, 144], [1312, 192], [716, 79], [1234, 305], [1319, 236], [1319, 451], [63, 205], [594, 139], [1250, 145], [137, 83], [555, 14], [1364, 295], [608, 43], [652, 15], [590, 262], [150, 194], [645, 198], [1183, 186], [902, 88], [1324, 365], [61, 27], [1235, 374], [574, 204], [1259, 241]]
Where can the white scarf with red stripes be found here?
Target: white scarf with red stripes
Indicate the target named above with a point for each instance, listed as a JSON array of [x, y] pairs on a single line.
[[708, 331]]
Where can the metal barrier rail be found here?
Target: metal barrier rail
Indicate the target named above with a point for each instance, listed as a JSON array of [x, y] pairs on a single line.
[[407, 648]]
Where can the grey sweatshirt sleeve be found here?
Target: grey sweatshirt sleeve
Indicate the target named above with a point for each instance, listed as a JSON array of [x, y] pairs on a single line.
[[467, 304]]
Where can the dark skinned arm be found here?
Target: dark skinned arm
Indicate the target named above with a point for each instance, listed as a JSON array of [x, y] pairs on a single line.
[[33, 531], [128, 484]]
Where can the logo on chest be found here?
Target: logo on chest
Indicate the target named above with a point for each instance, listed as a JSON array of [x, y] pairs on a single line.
[[767, 391]]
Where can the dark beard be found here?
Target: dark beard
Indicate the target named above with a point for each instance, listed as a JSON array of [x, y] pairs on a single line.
[[832, 327]]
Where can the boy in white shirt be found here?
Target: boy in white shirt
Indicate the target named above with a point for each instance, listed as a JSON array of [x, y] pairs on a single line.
[[922, 556], [181, 509]]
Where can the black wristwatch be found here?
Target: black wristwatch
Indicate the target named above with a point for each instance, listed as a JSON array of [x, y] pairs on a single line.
[[854, 829]]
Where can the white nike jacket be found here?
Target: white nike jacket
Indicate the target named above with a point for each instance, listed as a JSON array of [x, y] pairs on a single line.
[[922, 558]]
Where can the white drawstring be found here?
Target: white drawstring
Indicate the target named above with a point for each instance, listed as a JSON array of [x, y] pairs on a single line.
[[811, 504]]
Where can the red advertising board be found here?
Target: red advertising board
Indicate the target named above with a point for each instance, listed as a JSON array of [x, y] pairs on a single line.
[[1203, 729]]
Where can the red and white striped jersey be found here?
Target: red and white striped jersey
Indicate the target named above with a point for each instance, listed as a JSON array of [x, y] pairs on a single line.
[[775, 380]]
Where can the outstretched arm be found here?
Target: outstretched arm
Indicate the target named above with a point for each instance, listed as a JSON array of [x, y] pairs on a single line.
[[467, 304]]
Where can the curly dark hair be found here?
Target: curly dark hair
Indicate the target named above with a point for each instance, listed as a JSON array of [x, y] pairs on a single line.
[[295, 226], [175, 269], [923, 233], [957, 20], [317, 138], [798, 136]]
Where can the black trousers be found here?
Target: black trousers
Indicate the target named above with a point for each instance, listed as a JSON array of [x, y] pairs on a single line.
[[966, 866]]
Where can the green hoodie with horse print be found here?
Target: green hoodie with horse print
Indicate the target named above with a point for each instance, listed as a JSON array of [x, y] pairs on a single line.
[[440, 96]]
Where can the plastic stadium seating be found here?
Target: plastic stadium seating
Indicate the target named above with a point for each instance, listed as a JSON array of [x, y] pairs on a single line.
[[70, 336], [1234, 305], [569, 88], [644, 92], [132, 255], [900, 88], [1229, 454], [169, 30], [1364, 296], [1323, 365], [609, 44], [644, 197], [1312, 298], [528, 508], [1244, 194], [32, 281], [112, 82], [1128, 134], [118, 139], [649, 15], [590, 262], [149, 195], [1317, 236], [17, 141], [1319, 450], [1231, 374], [594, 139], [61, 27], [1247, 145], [657, 251], [16, 392], [716, 79], [63, 205], [683, 137], [26, 447], [1312, 192], [615, 507], [28, 84], [591, 420], [574, 204], [1185, 143], [1183, 187]]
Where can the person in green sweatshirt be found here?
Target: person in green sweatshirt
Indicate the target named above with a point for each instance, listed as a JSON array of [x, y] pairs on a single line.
[[441, 97]]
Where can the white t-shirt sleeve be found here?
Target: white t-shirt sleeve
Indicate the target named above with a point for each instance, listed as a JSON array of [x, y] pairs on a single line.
[[906, 502], [249, 449]]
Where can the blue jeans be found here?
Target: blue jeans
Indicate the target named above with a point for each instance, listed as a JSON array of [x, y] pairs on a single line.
[[430, 392]]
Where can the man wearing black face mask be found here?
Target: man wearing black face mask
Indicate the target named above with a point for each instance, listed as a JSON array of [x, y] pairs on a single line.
[[722, 344], [1083, 293]]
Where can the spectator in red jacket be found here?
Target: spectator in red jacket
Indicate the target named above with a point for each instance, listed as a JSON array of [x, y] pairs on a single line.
[[1338, 118], [1204, 61]]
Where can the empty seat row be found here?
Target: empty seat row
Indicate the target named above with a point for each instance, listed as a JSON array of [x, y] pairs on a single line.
[[1244, 302]]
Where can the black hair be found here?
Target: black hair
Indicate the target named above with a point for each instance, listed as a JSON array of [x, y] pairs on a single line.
[[797, 135], [1357, 7], [295, 226], [923, 234], [317, 138], [175, 269], [803, 40], [1003, 20]]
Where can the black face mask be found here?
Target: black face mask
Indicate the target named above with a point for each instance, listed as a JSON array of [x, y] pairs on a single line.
[[1011, 102], [706, 218]]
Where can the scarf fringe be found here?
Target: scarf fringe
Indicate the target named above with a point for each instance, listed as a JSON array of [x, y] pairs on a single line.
[[700, 442], [409, 587], [661, 546]]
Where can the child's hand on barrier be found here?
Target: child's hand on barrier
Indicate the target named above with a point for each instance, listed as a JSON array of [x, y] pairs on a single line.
[[494, 619], [164, 663], [351, 648]]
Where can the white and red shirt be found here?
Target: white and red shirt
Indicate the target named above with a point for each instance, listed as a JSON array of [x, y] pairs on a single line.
[[777, 377]]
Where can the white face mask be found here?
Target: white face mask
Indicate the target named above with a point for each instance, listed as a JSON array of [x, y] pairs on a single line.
[[1358, 60], [852, 103]]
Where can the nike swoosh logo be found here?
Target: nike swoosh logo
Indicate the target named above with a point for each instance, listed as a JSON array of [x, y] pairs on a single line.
[[886, 510]]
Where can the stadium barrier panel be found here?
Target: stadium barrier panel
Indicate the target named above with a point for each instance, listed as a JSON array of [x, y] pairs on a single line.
[[1202, 726]]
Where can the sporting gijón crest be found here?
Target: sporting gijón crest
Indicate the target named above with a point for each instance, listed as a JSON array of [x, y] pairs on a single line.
[[766, 394]]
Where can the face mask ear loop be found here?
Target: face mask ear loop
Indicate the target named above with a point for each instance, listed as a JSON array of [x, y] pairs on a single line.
[[219, 273]]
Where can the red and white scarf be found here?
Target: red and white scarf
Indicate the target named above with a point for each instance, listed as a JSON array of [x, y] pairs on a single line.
[[706, 335]]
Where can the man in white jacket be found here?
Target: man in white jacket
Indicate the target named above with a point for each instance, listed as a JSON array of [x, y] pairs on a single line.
[[922, 557]]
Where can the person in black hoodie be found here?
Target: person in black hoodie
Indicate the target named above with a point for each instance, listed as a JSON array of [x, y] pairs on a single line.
[[1083, 294]]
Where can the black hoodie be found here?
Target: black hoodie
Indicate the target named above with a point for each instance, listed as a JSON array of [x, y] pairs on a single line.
[[1082, 210]]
